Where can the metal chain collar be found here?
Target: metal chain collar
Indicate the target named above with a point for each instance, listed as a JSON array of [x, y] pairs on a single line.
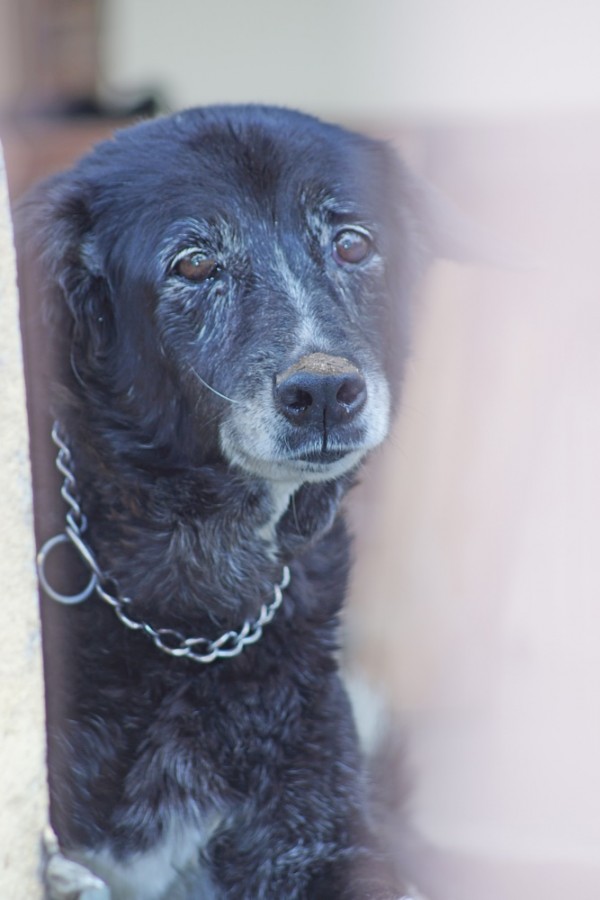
[[199, 649]]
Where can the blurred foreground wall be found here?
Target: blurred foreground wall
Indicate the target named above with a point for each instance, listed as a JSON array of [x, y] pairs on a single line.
[[476, 598]]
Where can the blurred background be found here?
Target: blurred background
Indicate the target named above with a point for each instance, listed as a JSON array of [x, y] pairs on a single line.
[[476, 595]]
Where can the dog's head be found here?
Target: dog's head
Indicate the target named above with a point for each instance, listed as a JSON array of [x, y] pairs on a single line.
[[237, 282]]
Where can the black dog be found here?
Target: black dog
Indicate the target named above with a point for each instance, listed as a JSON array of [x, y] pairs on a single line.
[[230, 294]]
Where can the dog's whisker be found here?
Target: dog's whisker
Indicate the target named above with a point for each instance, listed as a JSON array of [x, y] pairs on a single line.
[[211, 388], [295, 513], [199, 411]]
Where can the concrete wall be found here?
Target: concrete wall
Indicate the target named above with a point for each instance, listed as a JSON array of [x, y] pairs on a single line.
[[23, 802]]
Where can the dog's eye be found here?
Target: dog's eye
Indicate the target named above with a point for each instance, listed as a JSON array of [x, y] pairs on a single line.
[[195, 267], [352, 246]]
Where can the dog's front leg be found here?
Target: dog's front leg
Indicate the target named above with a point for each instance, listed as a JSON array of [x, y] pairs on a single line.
[[262, 863]]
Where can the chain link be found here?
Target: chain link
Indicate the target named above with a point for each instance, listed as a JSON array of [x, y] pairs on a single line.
[[169, 640]]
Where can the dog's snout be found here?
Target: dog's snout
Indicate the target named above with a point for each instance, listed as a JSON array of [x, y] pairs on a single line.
[[320, 387]]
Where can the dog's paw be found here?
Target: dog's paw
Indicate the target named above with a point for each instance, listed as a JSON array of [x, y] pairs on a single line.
[[379, 892], [68, 880], [414, 895]]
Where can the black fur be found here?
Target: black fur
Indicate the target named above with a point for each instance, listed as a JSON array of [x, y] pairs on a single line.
[[263, 745]]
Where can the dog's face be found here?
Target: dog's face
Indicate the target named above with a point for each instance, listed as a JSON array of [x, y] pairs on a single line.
[[238, 282]]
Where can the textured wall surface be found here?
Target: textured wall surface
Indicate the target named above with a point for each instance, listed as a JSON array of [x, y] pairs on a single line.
[[22, 770]]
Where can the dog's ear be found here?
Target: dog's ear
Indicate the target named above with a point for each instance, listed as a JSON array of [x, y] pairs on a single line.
[[58, 260]]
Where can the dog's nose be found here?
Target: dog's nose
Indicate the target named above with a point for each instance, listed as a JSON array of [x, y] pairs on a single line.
[[320, 388]]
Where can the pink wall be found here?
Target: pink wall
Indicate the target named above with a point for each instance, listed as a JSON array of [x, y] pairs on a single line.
[[477, 593]]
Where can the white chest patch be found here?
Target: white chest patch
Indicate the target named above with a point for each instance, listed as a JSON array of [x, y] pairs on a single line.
[[281, 494], [151, 875]]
